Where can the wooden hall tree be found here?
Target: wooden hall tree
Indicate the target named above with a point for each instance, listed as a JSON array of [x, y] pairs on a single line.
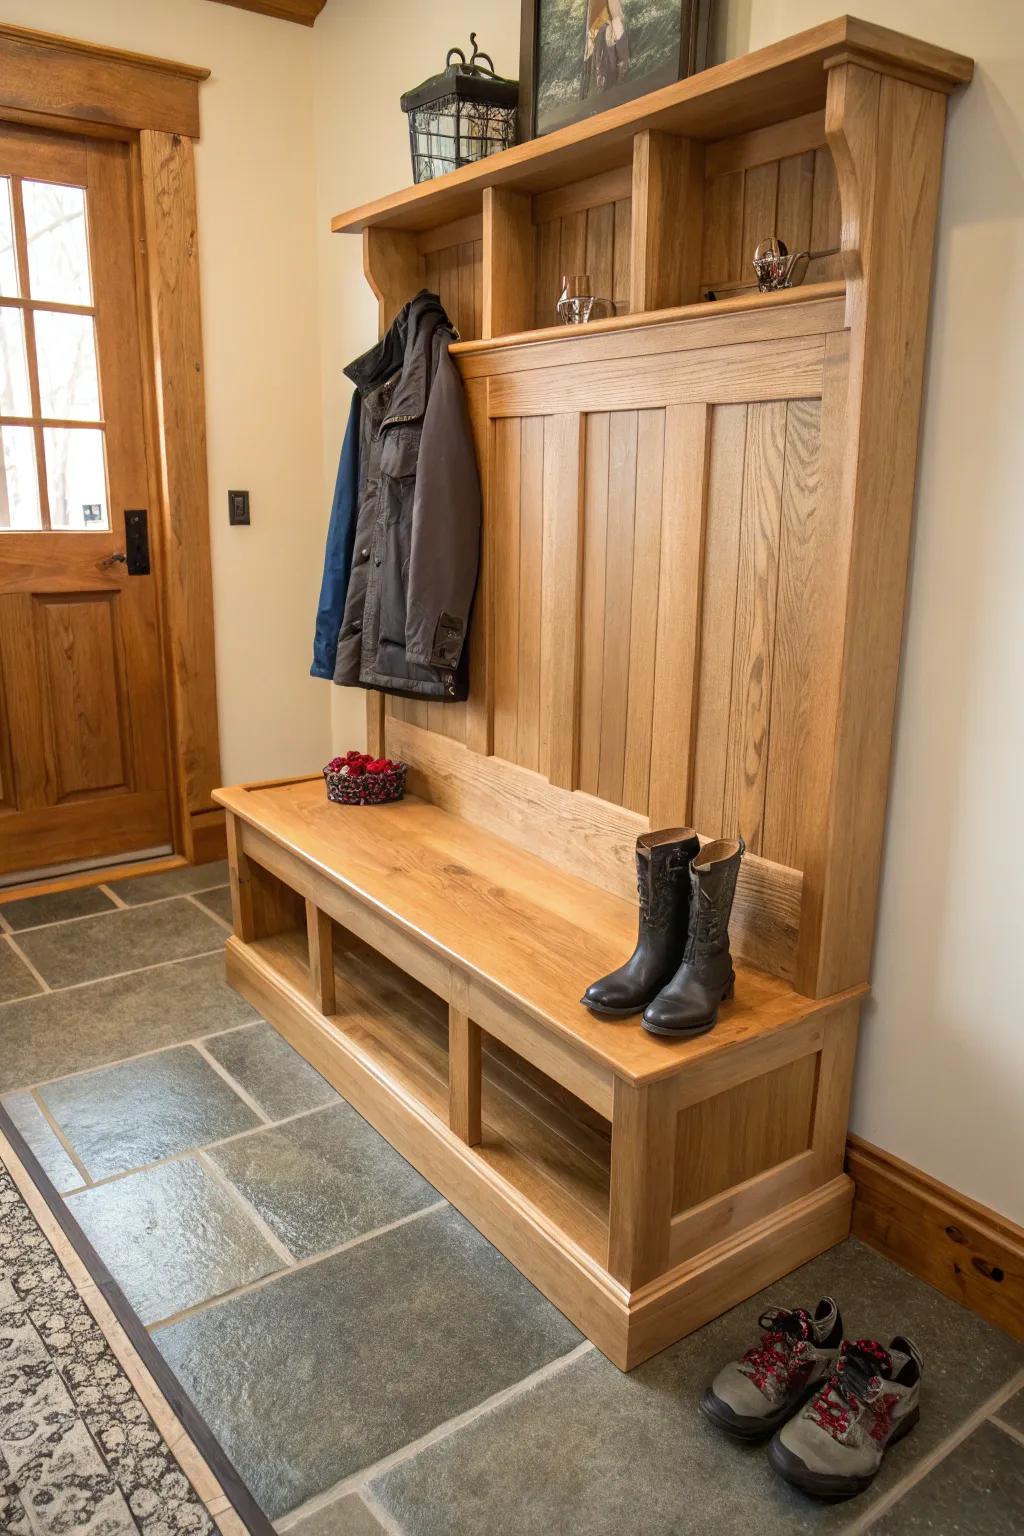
[[696, 537]]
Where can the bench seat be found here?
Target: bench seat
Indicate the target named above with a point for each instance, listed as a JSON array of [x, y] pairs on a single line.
[[361, 932]]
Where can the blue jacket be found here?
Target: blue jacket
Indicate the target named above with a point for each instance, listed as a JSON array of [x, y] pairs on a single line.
[[341, 533]]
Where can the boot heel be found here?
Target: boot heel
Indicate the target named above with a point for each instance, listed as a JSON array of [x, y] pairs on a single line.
[[730, 989]]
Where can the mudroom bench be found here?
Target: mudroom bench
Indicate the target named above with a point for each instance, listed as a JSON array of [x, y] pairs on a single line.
[[432, 971]]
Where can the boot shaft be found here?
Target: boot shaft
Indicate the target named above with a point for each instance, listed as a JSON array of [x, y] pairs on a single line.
[[713, 875], [663, 862]]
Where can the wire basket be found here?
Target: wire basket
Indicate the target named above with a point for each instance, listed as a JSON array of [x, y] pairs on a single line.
[[359, 779]]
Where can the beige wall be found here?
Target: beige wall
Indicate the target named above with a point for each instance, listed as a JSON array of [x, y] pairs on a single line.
[[261, 325]]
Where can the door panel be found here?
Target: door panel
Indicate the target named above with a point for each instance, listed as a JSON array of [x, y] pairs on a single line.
[[83, 755]]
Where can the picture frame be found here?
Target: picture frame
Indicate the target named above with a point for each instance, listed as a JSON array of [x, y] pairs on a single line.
[[580, 57]]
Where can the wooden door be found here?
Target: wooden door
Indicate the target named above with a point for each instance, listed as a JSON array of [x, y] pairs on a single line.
[[83, 753]]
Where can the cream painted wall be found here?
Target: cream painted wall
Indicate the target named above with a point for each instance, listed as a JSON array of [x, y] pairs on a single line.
[[261, 325], [941, 1074]]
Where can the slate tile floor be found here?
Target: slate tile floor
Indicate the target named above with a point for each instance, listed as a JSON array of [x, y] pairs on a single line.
[[370, 1362]]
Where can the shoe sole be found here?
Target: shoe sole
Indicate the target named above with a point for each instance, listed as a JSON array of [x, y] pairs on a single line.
[[741, 1427], [831, 1485], [613, 1013]]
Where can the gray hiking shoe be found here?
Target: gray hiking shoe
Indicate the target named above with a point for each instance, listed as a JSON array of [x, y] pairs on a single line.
[[834, 1448], [751, 1397]]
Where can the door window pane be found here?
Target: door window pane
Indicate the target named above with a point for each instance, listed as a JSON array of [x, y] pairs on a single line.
[[76, 477], [15, 399], [69, 387], [19, 484], [58, 247], [8, 259]]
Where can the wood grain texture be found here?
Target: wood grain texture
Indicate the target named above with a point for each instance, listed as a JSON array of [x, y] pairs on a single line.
[[85, 84], [747, 371], [676, 663], [964, 1249], [753, 647], [580, 238], [743, 1131], [465, 1080], [668, 216], [890, 211], [320, 938], [640, 1205], [793, 196], [455, 274], [560, 598], [508, 266], [169, 203]]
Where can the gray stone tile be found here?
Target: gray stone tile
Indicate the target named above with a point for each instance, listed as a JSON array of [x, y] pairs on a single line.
[[172, 1237], [55, 907], [61, 1032], [1012, 1413], [120, 941], [126, 1116], [16, 980], [324, 1179], [347, 1516], [217, 901], [277, 1077], [351, 1358], [183, 881], [592, 1450], [978, 1489], [53, 1159]]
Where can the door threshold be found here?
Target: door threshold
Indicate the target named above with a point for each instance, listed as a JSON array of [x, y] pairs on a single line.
[[69, 877]]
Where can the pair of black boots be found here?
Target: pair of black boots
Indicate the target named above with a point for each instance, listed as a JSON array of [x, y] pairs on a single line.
[[681, 968]]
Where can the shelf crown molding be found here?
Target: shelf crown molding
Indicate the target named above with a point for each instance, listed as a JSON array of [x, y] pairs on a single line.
[[305, 12], [47, 80]]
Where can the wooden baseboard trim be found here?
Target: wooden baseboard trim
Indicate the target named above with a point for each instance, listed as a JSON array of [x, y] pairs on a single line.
[[962, 1248]]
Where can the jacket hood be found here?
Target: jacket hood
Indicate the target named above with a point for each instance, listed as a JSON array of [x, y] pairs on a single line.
[[405, 346]]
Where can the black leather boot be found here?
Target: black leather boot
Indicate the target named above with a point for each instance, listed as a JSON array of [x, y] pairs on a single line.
[[688, 1005], [663, 881]]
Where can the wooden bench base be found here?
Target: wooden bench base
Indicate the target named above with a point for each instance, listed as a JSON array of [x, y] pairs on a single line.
[[643, 1193]]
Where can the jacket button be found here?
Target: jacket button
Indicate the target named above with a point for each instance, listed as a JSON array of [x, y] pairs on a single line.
[[364, 554], [356, 627]]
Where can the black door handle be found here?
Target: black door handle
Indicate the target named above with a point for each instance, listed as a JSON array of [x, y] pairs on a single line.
[[136, 538]]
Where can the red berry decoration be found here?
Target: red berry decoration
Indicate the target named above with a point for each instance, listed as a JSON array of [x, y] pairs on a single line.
[[359, 779]]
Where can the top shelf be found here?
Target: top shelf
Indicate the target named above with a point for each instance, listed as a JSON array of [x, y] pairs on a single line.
[[786, 80]]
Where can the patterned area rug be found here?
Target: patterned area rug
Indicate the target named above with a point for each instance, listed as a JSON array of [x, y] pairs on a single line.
[[78, 1450]]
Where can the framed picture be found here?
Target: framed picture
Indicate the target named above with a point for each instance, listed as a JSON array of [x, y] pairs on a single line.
[[579, 57]]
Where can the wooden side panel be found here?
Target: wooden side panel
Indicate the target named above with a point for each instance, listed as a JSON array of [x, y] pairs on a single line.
[[594, 240], [732, 1137], [794, 197]]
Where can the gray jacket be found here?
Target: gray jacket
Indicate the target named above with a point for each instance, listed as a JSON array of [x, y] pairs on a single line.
[[417, 538]]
